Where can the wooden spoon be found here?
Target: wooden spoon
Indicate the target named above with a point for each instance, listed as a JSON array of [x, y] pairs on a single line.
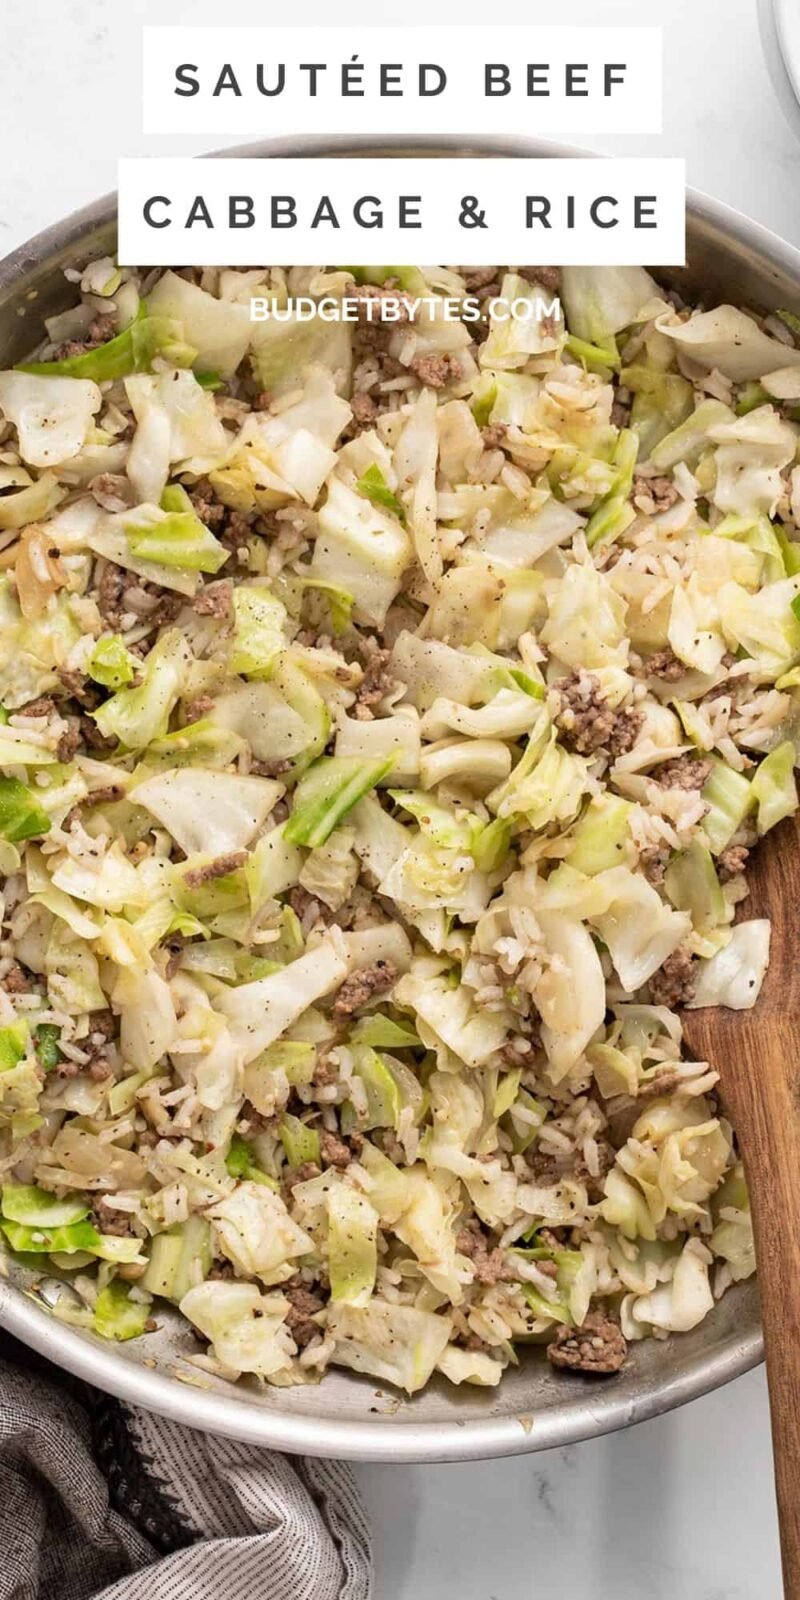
[[757, 1054]]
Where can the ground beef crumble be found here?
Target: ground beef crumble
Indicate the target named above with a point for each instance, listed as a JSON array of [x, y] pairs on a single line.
[[436, 369], [93, 739], [108, 1220], [375, 684], [653, 860], [489, 1265], [209, 507], [371, 298], [120, 592], [87, 693], [110, 591], [664, 664], [545, 277], [215, 600], [674, 982], [98, 332], [16, 980], [478, 277], [43, 706], [494, 435], [304, 1305], [587, 723], [335, 1153], [302, 1174], [684, 772], [364, 410], [307, 907], [112, 491], [70, 740], [621, 410], [598, 1346], [651, 495], [362, 986], [269, 769], [732, 861], [232, 528]]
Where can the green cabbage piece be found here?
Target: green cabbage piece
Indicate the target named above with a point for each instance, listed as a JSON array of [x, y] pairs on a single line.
[[773, 786], [32, 502], [614, 514], [601, 301], [352, 1245], [21, 815], [661, 402], [598, 840], [111, 663], [395, 1343], [372, 484], [38, 1208], [255, 1231], [362, 549], [77, 1236], [247, 1329], [732, 1238], [689, 439], [327, 792], [602, 358], [692, 885], [13, 1044], [730, 341], [300, 1142], [172, 535], [219, 330], [208, 812], [733, 977], [766, 625], [258, 636], [200, 744], [340, 601], [258, 1013], [46, 1044], [179, 1258], [53, 416], [116, 1315], [137, 716], [470, 1366], [132, 350], [729, 797], [682, 1303], [513, 340], [240, 1162], [446, 1017]]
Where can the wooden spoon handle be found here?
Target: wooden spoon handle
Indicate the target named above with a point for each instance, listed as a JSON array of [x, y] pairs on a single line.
[[768, 1117]]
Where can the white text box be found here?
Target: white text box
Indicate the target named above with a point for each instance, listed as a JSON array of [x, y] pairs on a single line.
[[356, 79], [181, 212]]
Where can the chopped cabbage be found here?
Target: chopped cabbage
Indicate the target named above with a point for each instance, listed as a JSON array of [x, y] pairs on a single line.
[[52, 416], [258, 1013], [395, 1343], [733, 977], [247, 1329], [138, 715], [208, 812]]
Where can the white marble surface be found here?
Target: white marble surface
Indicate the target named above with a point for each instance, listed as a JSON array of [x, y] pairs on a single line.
[[679, 1508]]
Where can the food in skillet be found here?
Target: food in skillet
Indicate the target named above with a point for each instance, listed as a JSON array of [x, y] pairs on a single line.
[[388, 712]]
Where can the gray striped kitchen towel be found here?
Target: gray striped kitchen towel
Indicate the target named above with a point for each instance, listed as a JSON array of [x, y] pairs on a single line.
[[103, 1501]]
